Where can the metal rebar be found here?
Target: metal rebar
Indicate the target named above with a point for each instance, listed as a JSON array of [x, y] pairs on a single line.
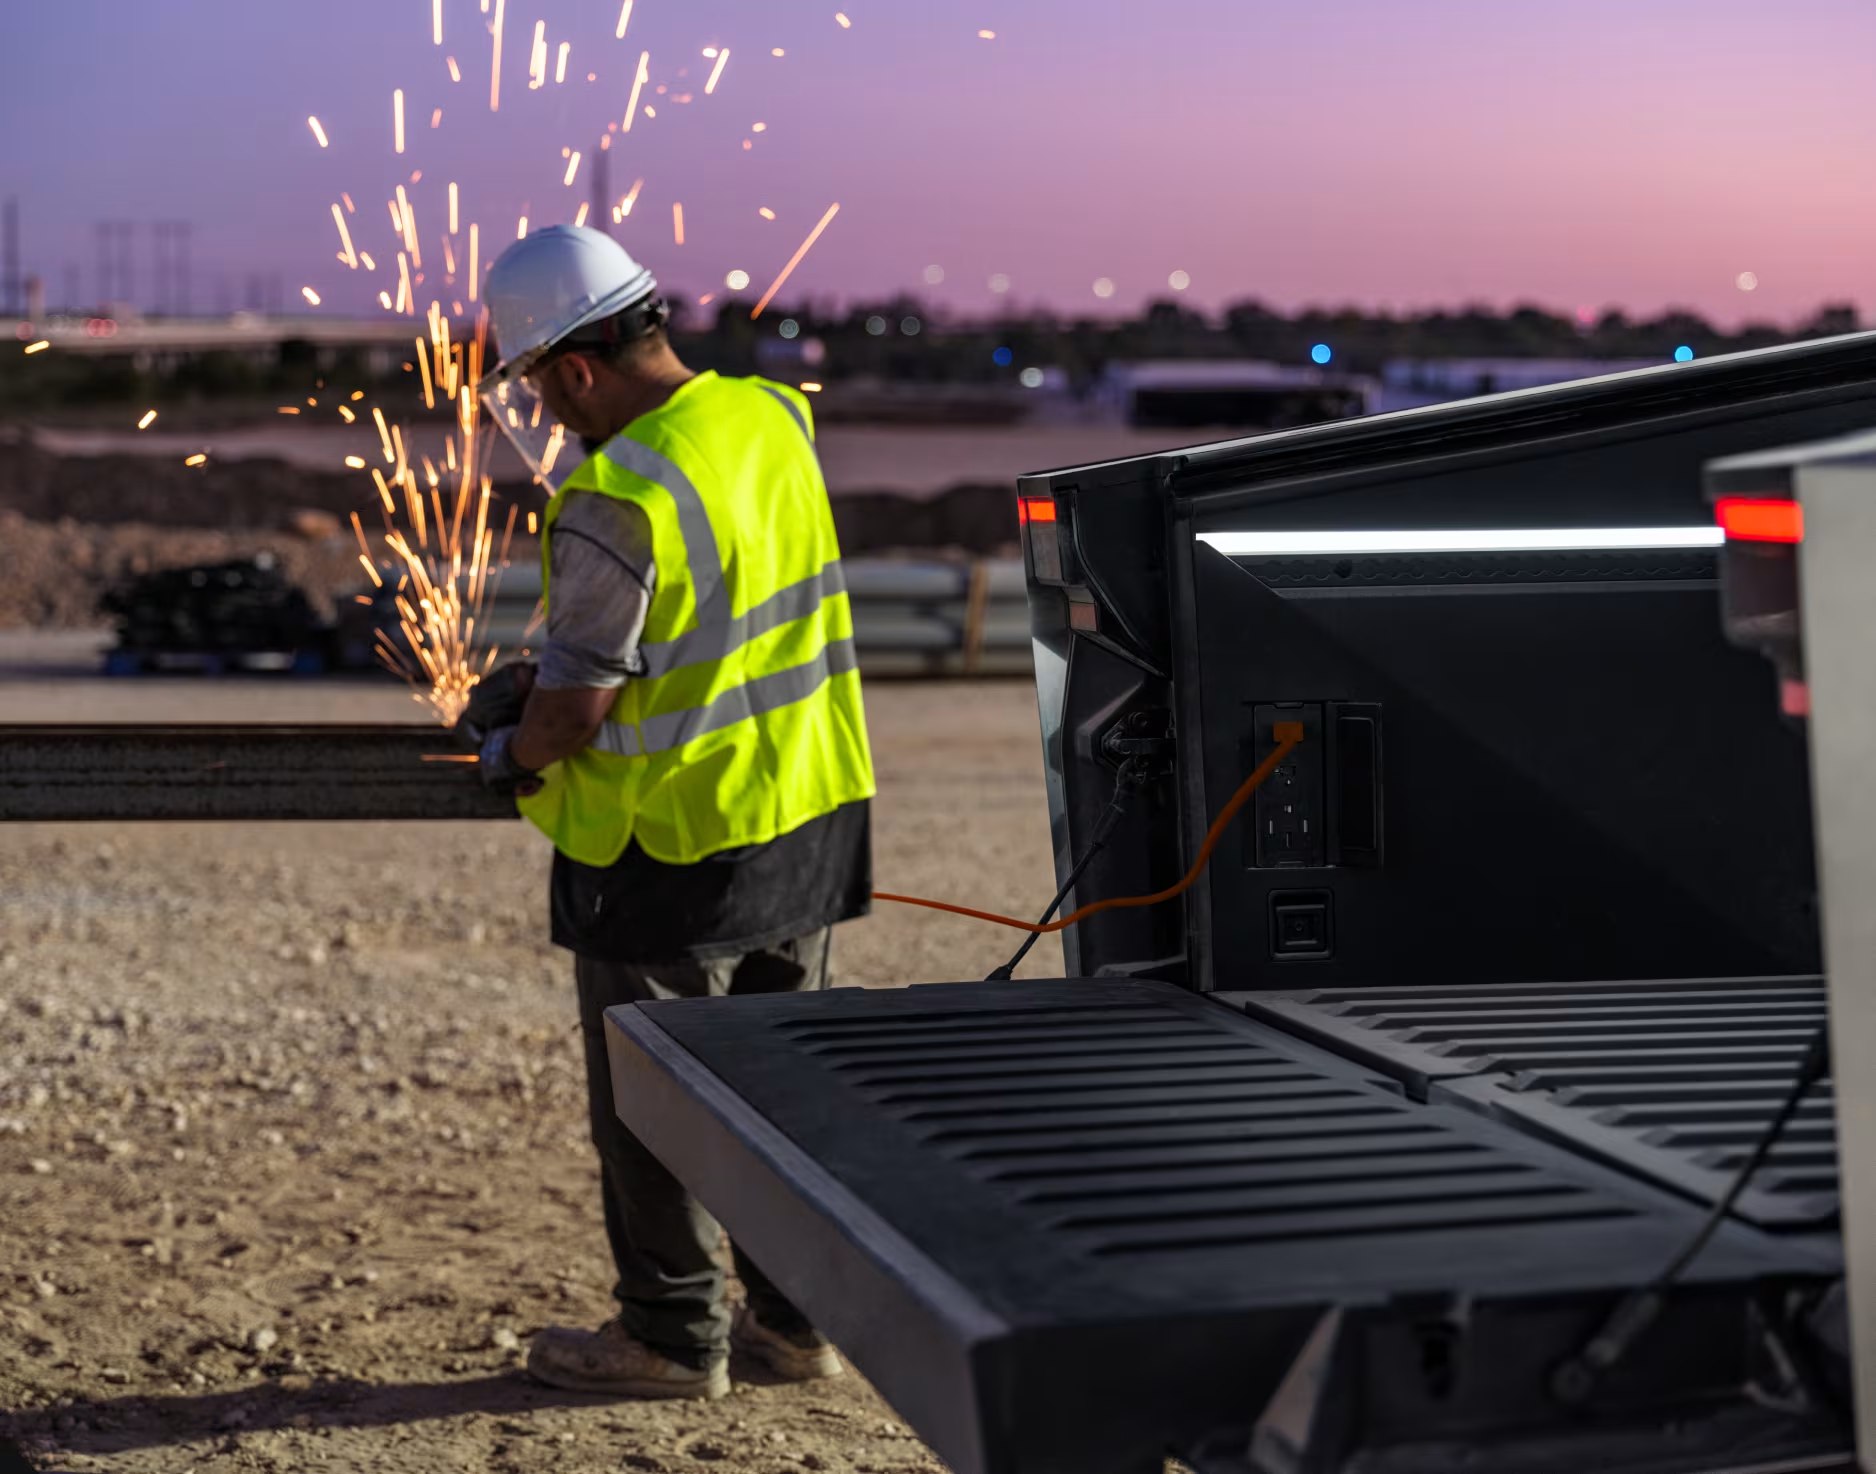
[[124, 772]]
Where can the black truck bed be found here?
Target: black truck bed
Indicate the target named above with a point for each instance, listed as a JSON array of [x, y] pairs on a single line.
[[1065, 1225], [1671, 1080]]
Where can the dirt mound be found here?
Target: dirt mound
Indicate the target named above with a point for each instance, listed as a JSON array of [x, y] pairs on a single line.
[[74, 525], [260, 493], [162, 492], [56, 571]]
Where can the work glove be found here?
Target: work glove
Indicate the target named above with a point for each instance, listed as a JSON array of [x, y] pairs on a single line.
[[498, 768], [496, 701]]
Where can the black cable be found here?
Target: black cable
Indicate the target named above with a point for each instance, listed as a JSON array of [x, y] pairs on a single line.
[[1576, 1376], [1132, 774]]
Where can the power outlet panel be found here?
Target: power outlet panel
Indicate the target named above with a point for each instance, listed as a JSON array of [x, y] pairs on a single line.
[[1290, 806]]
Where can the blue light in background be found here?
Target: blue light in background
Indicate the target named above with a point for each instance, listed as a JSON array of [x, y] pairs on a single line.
[[1003, 358], [1683, 354], [1321, 353]]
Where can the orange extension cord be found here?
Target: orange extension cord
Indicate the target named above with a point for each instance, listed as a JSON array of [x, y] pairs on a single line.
[[1287, 734]]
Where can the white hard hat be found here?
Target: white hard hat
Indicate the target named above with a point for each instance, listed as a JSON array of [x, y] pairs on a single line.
[[553, 282], [541, 290]]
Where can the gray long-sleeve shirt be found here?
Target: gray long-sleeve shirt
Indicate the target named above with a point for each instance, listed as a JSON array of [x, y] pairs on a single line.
[[603, 575]]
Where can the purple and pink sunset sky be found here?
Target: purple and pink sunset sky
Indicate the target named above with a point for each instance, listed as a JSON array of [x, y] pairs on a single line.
[[1400, 153]]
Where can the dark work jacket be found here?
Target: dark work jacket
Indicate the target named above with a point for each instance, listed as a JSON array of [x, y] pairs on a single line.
[[641, 910]]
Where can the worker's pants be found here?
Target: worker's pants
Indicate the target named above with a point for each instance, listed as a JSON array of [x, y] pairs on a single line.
[[664, 1244]]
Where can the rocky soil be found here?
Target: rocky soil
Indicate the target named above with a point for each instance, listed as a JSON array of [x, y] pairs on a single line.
[[292, 1151]]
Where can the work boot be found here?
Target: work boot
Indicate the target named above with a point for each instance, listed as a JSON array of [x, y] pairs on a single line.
[[613, 1360], [801, 1356]]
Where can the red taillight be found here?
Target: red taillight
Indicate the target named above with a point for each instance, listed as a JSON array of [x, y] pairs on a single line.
[[1756, 519], [1035, 509]]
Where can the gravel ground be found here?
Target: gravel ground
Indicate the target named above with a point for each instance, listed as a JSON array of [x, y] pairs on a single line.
[[292, 1150]]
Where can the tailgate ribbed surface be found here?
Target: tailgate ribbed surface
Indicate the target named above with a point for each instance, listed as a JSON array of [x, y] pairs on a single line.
[[1060, 1223], [1139, 1129], [1673, 1080], [1096, 1121]]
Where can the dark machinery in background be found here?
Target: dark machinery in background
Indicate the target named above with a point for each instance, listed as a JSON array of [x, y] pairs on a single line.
[[1403, 1142], [244, 614]]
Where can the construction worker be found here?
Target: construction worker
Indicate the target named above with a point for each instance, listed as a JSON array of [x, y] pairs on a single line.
[[692, 741]]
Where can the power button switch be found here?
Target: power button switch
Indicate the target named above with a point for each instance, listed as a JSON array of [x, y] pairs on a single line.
[[1299, 924]]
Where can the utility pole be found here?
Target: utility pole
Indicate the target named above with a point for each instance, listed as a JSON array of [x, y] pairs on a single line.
[[125, 281], [159, 266], [599, 206], [184, 230], [10, 303], [102, 292]]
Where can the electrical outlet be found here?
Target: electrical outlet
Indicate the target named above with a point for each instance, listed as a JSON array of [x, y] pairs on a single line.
[[1289, 810]]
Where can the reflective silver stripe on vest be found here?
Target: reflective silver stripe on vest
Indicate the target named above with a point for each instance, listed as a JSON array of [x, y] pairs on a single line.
[[739, 703], [715, 639], [693, 520], [794, 410]]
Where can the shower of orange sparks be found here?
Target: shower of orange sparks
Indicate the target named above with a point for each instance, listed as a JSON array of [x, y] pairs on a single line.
[[347, 254], [495, 63], [436, 117], [580, 217], [537, 56], [149, 419], [639, 79], [455, 72], [433, 612], [310, 295], [407, 227], [795, 260], [384, 433], [397, 119], [436, 21], [318, 132]]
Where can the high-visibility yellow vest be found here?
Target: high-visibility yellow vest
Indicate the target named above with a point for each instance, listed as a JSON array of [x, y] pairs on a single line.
[[746, 722]]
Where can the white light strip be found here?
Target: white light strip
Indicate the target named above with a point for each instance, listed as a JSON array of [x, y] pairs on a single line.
[[1464, 540]]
